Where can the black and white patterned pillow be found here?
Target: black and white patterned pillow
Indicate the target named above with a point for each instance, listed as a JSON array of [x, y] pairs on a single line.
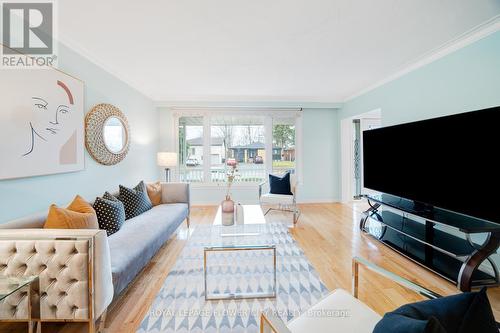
[[135, 200], [109, 196], [110, 213]]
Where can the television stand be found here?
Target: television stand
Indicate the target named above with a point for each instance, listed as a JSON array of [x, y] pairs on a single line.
[[438, 240]]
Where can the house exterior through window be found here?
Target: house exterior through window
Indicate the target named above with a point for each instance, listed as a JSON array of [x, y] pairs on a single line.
[[255, 143]]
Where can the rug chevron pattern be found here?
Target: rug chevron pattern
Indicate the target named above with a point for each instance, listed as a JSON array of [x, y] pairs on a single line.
[[180, 305]]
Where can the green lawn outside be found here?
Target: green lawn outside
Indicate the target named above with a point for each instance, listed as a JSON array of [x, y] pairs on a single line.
[[283, 164]]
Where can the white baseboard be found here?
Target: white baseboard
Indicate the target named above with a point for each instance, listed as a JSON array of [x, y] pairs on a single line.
[[317, 200], [305, 201]]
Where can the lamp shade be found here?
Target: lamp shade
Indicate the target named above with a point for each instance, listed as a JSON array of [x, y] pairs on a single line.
[[166, 159]]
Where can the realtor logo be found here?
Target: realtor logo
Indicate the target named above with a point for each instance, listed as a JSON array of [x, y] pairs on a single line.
[[27, 33]]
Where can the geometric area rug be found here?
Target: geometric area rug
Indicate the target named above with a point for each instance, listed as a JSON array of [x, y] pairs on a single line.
[[180, 305]]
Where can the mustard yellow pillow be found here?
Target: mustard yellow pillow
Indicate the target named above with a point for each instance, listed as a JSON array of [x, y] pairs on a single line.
[[154, 193], [78, 215]]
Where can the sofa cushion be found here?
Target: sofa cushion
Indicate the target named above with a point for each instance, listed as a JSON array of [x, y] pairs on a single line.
[[135, 200], [140, 238], [78, 215], [154, 193], [110, 213]]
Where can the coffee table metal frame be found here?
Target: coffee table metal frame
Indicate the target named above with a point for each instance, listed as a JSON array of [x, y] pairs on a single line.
[[224, 296]]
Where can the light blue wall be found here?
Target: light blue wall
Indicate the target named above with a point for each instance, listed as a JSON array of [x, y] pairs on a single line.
[[465, 80], [28, 195], [321, 155]]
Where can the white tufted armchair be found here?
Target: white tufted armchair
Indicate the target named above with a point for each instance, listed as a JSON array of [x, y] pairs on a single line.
[[74, 272]]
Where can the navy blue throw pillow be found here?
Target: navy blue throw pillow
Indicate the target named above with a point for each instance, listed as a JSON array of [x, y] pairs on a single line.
[[280, 185], [135, 200], [110, 213], [462, 313]]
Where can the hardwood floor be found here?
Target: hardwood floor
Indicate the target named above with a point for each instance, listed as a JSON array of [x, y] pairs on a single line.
[[329, 236]]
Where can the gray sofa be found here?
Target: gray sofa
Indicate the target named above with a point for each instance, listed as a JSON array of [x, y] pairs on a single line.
[[114, 261], [141, 237]]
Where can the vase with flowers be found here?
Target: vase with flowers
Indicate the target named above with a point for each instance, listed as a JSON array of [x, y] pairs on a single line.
[[227, 204]]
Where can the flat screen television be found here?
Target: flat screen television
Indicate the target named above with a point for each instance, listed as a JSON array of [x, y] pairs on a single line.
[[450, 162]]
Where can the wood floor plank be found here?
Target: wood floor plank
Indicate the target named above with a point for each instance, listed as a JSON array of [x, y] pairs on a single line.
[[329, 235]]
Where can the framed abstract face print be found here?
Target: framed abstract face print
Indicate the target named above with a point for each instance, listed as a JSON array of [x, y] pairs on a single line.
[[42, 123]]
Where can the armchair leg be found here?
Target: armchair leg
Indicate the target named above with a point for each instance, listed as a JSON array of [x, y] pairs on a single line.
[[188, 222], [294, 210]]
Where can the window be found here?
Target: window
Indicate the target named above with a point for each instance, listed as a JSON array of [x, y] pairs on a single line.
[[191, 149], [255, 143], [283, 145], [238, 142]]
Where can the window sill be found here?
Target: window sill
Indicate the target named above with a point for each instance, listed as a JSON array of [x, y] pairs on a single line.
[[249, 185]]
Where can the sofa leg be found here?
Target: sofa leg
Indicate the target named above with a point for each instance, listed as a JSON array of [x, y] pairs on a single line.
[[188, 222], [99, 325], [102, 322]]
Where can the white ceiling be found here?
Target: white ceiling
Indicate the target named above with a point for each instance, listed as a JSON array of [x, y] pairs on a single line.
[[262, 50]]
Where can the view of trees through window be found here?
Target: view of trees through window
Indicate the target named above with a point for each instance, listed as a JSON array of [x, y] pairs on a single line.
[[284, 146], [235, 142]]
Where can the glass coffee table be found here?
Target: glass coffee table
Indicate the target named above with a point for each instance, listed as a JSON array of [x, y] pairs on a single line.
[[241, 259], [29, 284]]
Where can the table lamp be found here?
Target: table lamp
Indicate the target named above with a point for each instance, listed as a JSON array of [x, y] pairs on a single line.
[[167, 160]]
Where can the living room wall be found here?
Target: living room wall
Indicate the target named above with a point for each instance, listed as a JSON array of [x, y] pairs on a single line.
[[19, 197], [465, 80]]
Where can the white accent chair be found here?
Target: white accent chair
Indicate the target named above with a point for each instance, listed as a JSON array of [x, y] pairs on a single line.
[[339, 311], [282, 202]]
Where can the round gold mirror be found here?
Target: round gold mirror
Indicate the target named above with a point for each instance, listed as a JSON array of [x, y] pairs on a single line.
[[107, 134]]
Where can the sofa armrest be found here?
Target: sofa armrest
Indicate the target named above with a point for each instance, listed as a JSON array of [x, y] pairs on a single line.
[[175, 193], [33, 221], [103, 279], [76, 261]]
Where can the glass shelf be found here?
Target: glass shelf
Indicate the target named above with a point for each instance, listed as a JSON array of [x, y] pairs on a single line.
[[464, 223]]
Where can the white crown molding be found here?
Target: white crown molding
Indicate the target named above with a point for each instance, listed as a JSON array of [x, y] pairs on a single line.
[[85, 54], [255, 104], [247, 109], [486, 28]]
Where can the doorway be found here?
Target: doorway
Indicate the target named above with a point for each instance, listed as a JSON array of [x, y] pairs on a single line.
[[352, 129]]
